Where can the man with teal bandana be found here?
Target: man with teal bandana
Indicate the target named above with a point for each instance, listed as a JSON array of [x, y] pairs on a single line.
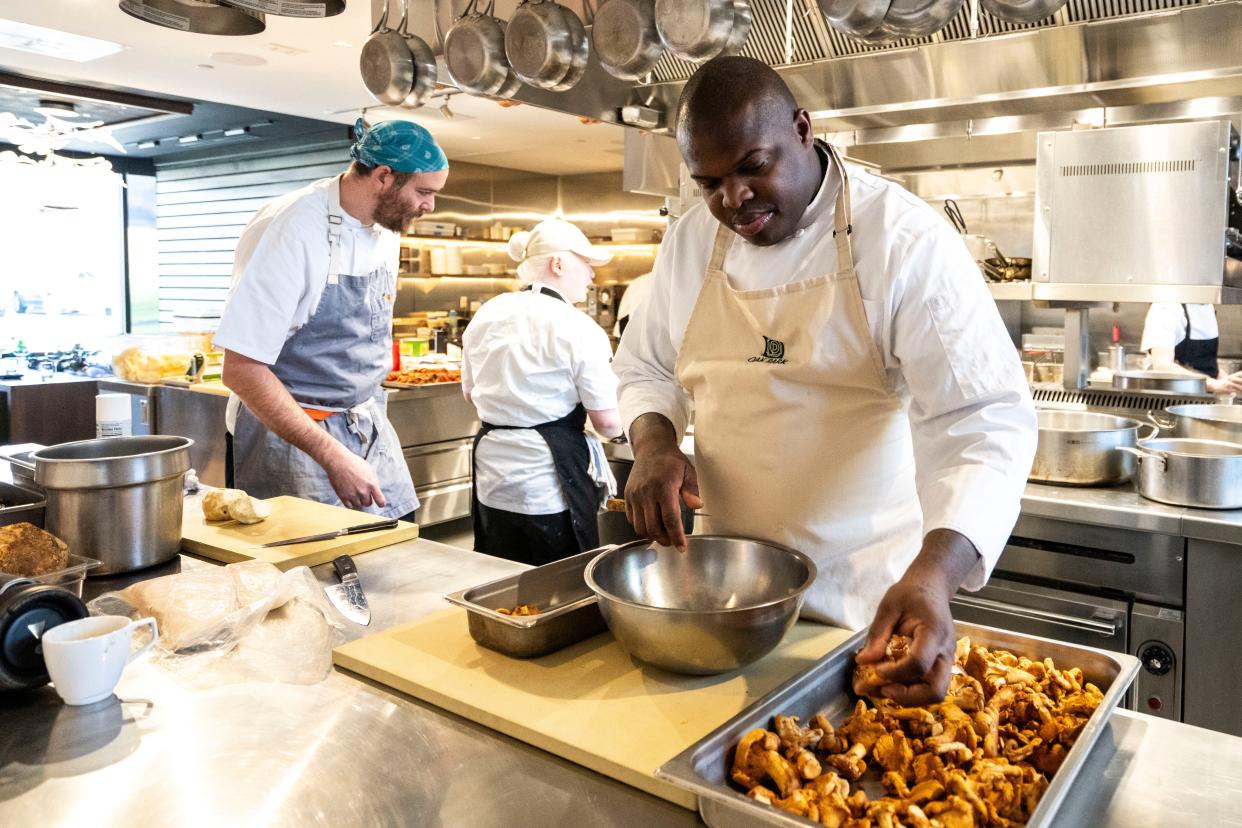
[[307, 328]]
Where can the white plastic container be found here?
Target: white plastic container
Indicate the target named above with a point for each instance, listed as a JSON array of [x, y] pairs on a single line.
[[112, 415]]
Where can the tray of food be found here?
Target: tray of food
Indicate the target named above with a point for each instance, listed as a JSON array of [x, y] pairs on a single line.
[[535, 612], [1015, 729], [418, 377]]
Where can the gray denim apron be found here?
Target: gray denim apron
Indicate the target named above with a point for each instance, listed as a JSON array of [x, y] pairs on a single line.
[[335, 362]]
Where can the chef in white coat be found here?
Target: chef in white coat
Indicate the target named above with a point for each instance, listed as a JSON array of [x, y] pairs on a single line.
[[536, 369], [1186, 338], [855, 393], [307, 328]]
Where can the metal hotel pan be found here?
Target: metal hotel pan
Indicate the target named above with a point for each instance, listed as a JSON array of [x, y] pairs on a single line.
[[703, 768], [569, 610]]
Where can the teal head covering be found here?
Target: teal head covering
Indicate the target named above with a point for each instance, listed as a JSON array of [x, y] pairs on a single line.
[[403, 145]]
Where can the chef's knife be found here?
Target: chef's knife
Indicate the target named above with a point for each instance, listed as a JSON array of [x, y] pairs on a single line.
[[347, 596], [352, 530]]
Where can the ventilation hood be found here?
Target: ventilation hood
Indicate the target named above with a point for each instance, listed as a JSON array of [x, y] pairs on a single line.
[[1090, 55]]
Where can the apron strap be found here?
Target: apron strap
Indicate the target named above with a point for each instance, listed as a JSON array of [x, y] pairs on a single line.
[[335, 220], [545, 291]]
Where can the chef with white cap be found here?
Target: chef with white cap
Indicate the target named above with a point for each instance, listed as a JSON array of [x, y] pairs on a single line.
[[537, 368]]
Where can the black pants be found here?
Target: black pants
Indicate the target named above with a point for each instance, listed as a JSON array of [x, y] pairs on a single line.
[[528, 539]]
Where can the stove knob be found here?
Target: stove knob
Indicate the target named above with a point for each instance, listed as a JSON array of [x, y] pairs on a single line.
[[1157, 659]]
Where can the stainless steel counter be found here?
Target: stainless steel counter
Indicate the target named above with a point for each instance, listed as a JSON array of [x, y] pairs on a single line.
[[345, 752]]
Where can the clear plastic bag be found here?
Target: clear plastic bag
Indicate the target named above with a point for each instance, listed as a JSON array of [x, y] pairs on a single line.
[[243, 622]]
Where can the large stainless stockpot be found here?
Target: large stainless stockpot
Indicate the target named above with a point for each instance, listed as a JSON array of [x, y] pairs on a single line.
[[1078, 448], [116, 499], [1205, 474], [1202, 422]]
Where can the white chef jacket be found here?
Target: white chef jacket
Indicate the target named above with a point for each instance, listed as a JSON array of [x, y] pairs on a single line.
[[945, 348], [1165, 326], [528, 359], [280, 269]]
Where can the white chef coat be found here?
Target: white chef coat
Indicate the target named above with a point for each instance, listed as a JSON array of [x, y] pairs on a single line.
[[1165, 326], [944, 346], [632, 299], [528, 359], [280, 269]]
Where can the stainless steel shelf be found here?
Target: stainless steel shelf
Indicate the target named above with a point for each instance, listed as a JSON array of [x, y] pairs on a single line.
[[1194, 294], [1015, 291]]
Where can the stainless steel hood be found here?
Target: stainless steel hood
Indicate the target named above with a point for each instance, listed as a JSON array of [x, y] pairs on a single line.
[[1090, 54]]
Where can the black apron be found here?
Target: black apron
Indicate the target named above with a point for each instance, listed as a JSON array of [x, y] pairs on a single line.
[[566, 440], [1197, 354]]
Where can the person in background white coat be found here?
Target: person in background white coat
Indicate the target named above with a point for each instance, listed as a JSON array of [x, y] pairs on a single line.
[[856, 395], [1186, 338], [536, 368]]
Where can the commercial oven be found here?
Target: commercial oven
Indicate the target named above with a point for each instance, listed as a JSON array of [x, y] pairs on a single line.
[[1104, 587]]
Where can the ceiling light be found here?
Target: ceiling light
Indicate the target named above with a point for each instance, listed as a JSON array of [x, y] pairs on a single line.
[[57, 109], [188, 139], [54, 43], [148, 144], [235, 131], [342, 44]]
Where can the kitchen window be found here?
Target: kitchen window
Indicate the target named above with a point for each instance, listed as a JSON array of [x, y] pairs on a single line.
[[62, 258]]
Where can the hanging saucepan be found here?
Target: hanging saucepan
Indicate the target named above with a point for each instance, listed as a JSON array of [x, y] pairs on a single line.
[[580, 52], [291, 8], [539, 43], [918, 18], [386, 63], [1022, 11], [695, 29], [424, 76], [474, 52], [857, 18], [195, 16], [625, 38], [742, 20]]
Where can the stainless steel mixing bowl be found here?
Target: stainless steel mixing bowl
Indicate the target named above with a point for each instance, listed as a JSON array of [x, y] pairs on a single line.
[[721, 604]]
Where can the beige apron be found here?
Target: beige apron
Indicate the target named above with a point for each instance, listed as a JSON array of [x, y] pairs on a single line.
[[799, 438]]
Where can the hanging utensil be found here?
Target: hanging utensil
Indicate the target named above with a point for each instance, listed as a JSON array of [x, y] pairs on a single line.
[[474, 52], [386, 63], [625, 38], [424, 64], [955, 215], [580, 51], [538, 43], [195, 16], [291, 8], [695, 30], [742, 21], [857, 18], [918, 18], [1022, 11]]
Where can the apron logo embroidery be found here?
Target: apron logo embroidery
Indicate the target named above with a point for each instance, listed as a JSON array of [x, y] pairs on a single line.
[[773, 352]]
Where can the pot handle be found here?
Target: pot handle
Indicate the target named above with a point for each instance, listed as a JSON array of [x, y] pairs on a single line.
[[1155, 429], [1143, 455], [1161, 424]]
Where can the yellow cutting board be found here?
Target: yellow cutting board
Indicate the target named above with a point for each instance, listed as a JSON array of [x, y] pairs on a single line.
[[229, 541], [590, 703]]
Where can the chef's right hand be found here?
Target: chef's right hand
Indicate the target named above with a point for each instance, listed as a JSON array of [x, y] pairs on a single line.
[[1224, 386], [659, 483], [353, 480]]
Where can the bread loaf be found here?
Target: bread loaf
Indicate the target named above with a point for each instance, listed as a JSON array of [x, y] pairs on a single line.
[[27, 550]]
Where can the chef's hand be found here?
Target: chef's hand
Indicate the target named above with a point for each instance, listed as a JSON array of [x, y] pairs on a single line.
[[661, 480], [918, 606], [353, 480], [1231, 384]]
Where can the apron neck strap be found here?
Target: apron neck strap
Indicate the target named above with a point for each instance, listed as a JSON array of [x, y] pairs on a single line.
[[546, 291], [843, 227], [335, 220]]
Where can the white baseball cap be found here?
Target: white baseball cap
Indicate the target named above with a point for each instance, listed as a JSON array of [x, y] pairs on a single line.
[[556, 236]]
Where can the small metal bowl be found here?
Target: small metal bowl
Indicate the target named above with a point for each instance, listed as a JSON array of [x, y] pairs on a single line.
[[721, 604]]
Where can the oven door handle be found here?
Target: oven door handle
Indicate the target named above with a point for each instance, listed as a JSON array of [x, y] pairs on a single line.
[[1106, 628]]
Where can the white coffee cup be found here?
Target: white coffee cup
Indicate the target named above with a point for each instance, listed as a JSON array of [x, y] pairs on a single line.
[[85, 658]]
